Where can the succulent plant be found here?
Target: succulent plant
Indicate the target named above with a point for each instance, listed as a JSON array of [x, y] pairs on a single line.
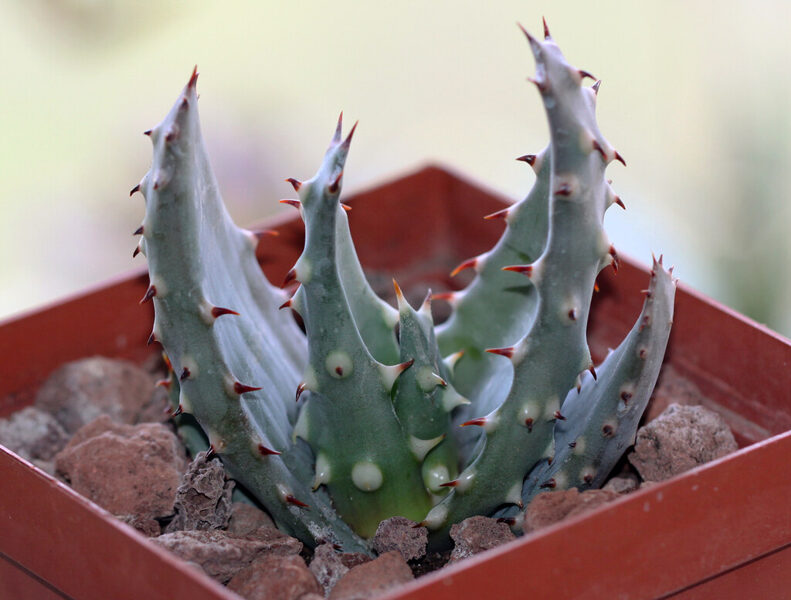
[[504, 390]]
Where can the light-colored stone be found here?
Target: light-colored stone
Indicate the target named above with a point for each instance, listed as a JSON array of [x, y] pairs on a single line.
[[273, 577], [372, 578]]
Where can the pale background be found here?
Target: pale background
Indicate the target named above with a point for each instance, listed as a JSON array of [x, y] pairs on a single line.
[[695, 95]]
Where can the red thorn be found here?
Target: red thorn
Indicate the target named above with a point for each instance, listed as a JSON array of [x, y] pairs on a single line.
[[529, 424], [548, 484], [626, 396], [523, 269], [134, 190], [290, 202], [218, 311], [286, 304], [528, 158], [264, 451], [419, 525], [563, 190], [184, 104], [405, 365], [588, 478], [185, 373], [546, 29], [193, 78], [597, 147], [167, 362], [136, 251], [450, 484], [529, 37], [178, 411], [619, 158], [447, 296], [292, 500], [500, 214], [339, 371], [559, 416], [347, 142], [619, 202], [336, 184], [241, 388], [138, 231], [595, 87], [510, 521], [507, 352], [150, 293], [585, 74], [163, 383], [210, 452], [300, 388], [467, 264], [338, 129], [480, 422], [607, 431], [295, 183], [346, 207], [573, 314], [592, 372], [614, 255], [156, 184], [290, 276], [147, 132], [596, 286]]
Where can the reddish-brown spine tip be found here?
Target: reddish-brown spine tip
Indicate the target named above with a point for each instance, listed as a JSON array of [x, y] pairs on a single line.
[[548, 484], [470, 263], [178, 411], [295, 183], [529, 424], [527, 158], [286, 304], [210, 452], [268, 232], [447, 296], [563, 189], [405, 365], [241, 388], [150, 293], [595, 87], [500, 214], [185, 373], [291, 202], [193, 78], [614, 255], [346, 207], [619, 158], [292, 500], [151, 339], [595, 286], [619, 202], [583, 74], [300, 388], [507, 352], [136, 251], [523, 269], [546, 29], [592, 372], [450, 484], [510, 521], [139, 231], [163, 383], [219, 311], [336, 184], [134, 190], [147, 132], [347, 142], [559, 416], [419, 525], [480, 422], [290, 276], [264, 451], [597, 147]]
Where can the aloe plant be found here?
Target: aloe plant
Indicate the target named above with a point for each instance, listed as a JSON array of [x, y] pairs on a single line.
[[473, 416]]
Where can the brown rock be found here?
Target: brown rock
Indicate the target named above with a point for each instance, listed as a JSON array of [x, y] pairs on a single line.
[[679, 439], [372, 578], [127, 469], [622, 484], [33, 434], [329, 566], [550, 507], [147, 526], [78, 392], [272, 577], [221, 555], [476, 534], [203, 499], [246, 518], [400, 534]]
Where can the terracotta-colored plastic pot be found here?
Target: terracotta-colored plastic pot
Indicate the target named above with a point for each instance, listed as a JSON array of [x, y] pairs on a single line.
[[722, 530]]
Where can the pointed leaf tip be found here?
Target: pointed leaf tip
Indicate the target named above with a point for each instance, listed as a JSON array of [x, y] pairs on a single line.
[[193, 78], [347, 142], [338, 129], [241, 388]]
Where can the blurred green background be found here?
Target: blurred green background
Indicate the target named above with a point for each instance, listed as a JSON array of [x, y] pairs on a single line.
[[695, 95]]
